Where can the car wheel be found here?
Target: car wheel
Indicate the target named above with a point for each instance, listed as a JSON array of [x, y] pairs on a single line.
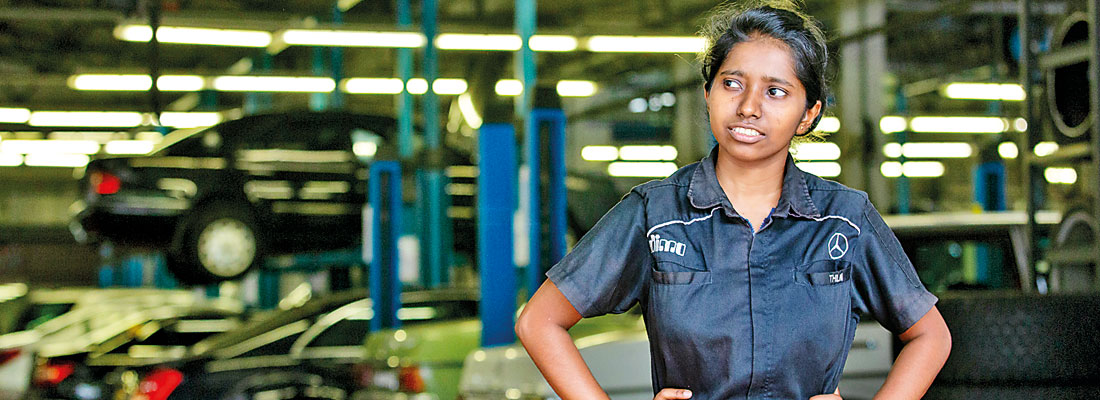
[[219, 243]]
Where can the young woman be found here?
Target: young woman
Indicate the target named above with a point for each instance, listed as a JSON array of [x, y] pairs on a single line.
[[751, 274]]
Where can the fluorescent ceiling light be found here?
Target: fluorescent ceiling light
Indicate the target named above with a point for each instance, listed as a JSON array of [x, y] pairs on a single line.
[[128, 147], [827, 169], [641, 169], [469, 113], [11, 160], [449, 86], [309, 37], [372, 85], [912, 169], [134, 33], [553, 43], [576, 88], [56, 160], [958, 124], [1066, 176], [645, 44], [49, 146], [110, 82], [417, 86], [1043, 149], [599, 153], [203, 36], [364, 149], [274, 84], [85, 119], [189, 119], [180, 83], [936, 150], [14, 115], [509, 87], [816, 151], [1020, 125], [892, 150], [892, 124], [647, 153], [460, 41], [1008, 150], [984, 91], [828, 125]]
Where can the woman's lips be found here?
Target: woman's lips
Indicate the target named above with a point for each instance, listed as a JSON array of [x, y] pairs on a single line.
[[745, 135]]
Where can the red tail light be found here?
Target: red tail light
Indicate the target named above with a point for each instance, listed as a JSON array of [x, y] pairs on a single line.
[[159, 383], [409, 380], [105, 183], [53, 372], [8, 355]]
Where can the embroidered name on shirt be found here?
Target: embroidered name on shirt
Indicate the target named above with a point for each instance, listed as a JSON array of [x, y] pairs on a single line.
[[656, 244], [837, 277]]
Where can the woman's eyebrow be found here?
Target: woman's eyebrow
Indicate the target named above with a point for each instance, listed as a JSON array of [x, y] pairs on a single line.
[[767, 78]]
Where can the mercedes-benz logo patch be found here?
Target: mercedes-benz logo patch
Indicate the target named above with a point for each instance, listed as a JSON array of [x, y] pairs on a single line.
[[838, 245]]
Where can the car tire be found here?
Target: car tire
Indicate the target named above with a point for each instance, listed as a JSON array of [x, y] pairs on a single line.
[[1075, 235], [219, 242]]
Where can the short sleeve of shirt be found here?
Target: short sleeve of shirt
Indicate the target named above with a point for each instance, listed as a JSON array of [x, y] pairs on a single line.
[[886, 283], [607, 270]]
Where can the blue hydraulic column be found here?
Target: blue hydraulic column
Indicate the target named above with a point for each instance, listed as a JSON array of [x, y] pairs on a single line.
[[384, 195], [435, 243], [496, 203], [902, 137], [337, 60], [526, 12], [318, 101], [405, 104], [554, 121]]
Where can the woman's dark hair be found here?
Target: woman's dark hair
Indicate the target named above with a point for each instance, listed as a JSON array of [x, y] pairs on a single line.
[[738, 22]]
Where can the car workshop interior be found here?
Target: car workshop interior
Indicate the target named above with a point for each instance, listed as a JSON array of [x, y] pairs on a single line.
[[354, 199]]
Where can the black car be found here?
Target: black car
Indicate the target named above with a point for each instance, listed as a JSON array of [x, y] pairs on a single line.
[[220, 198], [313, 351]]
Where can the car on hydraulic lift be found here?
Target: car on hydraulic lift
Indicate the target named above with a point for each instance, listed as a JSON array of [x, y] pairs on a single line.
[[220, 199]]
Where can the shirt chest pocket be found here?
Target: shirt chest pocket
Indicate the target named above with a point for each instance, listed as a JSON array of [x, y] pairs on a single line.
[[824, 273], [672, 269]]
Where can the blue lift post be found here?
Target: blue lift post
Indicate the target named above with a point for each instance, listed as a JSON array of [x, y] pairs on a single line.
[[496, 203], [554, 119], [405, 104], [435, 225], [385, 204]]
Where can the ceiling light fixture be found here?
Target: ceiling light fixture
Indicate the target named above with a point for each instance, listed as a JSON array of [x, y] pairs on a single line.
[[641, 169], [180, 83], [647, 153], [14, 115], [958, 124], [645, 44], [49, 146], [569, 88], [599, 153], [190, 119], [335, 38], [892, 124], [826, 169], [559, 43], [828, 125], [816, 151], [189, 35], [56, 160], [110, 82], [462, 41], [448, 86], [119, 119], [372, 85], [984, 91], [509, 87], [274, 84]]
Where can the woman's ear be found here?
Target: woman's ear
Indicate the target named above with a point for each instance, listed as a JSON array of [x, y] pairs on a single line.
[[808, 119]]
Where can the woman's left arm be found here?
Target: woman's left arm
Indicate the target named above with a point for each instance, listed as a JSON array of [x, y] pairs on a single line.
[[926, 346]]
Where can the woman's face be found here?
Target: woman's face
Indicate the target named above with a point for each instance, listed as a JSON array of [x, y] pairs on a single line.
[[756, 102]]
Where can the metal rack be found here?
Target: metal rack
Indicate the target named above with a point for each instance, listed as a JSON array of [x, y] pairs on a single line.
[[1031, 64]]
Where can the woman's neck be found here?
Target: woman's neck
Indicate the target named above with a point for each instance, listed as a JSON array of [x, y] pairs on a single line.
[[753, 188]]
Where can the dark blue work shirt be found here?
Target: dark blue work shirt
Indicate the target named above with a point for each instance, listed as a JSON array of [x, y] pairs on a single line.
[[735, 314]]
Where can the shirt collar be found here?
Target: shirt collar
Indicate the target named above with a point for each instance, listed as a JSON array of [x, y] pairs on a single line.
[[704, 191]]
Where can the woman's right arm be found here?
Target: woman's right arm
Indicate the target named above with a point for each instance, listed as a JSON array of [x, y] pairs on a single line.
[[542, 328]]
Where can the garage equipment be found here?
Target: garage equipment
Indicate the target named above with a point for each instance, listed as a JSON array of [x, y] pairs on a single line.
[[496, 202]]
